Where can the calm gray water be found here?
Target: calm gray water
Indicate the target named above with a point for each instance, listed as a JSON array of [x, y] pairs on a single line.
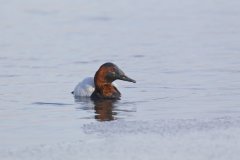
[[184, 55]]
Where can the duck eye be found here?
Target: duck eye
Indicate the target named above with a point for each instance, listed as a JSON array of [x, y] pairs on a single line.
[[113, 74]]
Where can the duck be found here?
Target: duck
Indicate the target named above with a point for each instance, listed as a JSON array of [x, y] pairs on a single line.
[[102, 86]]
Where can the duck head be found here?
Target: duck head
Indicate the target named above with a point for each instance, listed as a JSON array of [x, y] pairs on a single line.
[[106, 74]]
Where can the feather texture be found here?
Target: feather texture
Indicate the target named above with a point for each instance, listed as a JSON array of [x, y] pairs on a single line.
[[85, 88]]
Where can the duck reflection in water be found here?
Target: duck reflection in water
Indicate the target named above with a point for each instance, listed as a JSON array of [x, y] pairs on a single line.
[[104, 108]]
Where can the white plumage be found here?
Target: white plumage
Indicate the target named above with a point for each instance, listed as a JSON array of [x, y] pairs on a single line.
[[86, 87]]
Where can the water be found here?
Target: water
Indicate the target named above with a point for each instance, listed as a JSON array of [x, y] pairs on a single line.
[[184, 56]]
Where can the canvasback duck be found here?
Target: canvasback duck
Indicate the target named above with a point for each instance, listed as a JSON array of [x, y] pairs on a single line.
[[102, 85]]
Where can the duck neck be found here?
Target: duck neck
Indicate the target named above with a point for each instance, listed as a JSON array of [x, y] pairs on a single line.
[[101, 83], [105, 89]]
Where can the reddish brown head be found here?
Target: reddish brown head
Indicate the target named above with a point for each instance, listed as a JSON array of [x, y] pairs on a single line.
[[103, 79]]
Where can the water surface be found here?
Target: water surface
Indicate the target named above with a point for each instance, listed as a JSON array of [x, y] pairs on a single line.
[[185, 57]]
